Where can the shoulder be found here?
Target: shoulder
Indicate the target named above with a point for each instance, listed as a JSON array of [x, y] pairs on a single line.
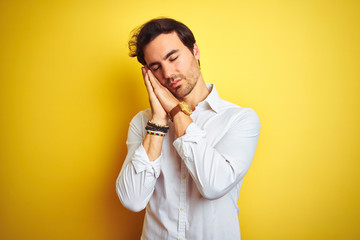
[[138, 122], [235, 112], [142, 116]]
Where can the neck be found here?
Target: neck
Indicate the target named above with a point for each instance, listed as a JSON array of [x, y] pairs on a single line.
[[198, 94]]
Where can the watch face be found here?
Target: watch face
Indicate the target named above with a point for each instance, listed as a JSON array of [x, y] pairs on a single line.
[[185, 108]]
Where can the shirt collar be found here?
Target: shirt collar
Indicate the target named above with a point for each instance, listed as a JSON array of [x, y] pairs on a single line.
[[212, 99]]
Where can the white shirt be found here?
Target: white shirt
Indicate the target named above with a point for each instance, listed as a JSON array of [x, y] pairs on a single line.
[[191, 190]]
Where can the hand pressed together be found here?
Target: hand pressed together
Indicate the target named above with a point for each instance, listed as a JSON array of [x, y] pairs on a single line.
[[161, 99]]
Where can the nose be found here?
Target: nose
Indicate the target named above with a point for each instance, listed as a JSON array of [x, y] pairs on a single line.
[[167, 71]]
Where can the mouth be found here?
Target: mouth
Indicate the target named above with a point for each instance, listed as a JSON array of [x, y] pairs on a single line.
[[175, 83]]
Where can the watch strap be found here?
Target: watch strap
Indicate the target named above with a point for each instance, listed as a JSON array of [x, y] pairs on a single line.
[[174, 111]]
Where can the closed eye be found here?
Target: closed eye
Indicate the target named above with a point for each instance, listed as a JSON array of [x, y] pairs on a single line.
[[156, 67], [173, 59]]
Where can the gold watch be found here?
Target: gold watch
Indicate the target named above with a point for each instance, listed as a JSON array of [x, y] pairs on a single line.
[[182, 106]]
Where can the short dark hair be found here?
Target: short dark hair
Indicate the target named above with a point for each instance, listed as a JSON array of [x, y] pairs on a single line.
[[144, 34]]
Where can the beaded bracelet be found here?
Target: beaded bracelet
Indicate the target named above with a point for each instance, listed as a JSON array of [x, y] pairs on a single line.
[[156, 133]]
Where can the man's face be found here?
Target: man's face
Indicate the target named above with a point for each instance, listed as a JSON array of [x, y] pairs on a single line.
[[173, 64]]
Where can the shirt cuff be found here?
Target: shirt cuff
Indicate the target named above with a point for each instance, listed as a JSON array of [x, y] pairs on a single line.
[[141, 162], [193, 134]]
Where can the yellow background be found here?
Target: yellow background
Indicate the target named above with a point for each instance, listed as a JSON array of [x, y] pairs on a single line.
[[68, 91]]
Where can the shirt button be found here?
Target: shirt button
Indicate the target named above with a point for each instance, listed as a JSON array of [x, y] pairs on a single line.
[[183, 176], [182, 209], [180, 238]]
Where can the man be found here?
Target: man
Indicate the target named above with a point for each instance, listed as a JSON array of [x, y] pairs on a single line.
[[186, 171]]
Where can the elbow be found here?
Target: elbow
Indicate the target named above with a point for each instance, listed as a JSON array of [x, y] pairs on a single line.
[[132, 204], [211, 192]]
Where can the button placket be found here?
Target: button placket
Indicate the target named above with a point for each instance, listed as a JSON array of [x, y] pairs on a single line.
[[182, 203]]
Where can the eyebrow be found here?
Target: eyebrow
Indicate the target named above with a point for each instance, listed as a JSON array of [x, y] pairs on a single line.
[[164, 58]]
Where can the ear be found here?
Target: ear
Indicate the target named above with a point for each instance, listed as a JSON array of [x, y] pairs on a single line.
[[196, 51]]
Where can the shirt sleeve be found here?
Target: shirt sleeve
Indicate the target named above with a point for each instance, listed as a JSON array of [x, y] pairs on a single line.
[[136, 181], [217, 169]]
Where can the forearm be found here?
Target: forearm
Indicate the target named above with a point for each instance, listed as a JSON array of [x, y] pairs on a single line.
[[156, 130], [181, 122], [152, 145], [138, 174], [134, 187]]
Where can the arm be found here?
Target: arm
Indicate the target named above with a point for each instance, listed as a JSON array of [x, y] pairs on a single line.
[[153, 144], [136, 181], [168, 101], [217, 169], [214, 169]]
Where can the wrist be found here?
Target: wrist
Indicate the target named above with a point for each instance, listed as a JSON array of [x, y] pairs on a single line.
[[180, 107], [173, 105], [159, 121]]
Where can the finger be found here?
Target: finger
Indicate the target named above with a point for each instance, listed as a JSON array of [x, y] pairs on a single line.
[[148, 85], [154, 81], [145, 76], [143, 71]]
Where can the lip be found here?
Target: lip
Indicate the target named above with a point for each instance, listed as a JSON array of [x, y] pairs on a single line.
[[175, 83]]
